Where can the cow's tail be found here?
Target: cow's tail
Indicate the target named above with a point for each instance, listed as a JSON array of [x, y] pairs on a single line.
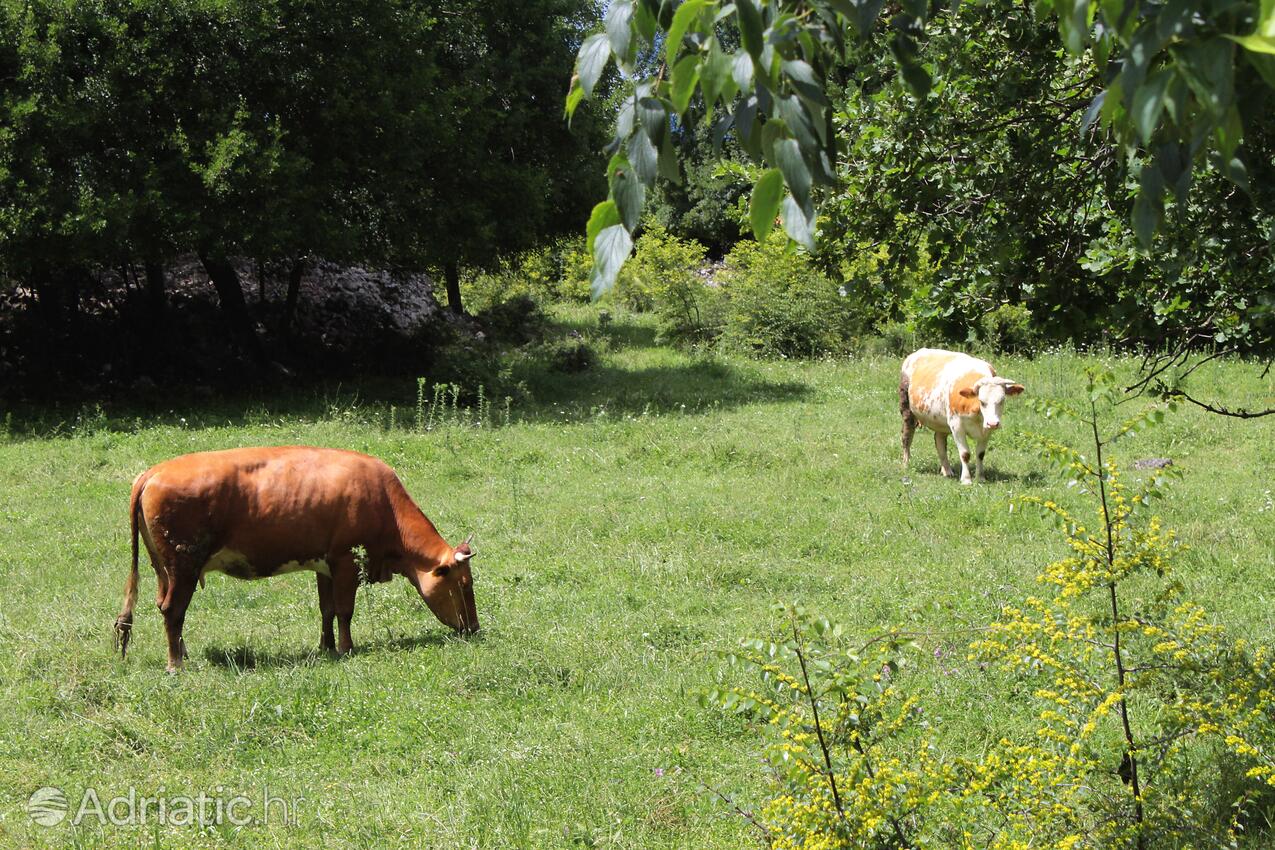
[[124, 622], [909, 418]]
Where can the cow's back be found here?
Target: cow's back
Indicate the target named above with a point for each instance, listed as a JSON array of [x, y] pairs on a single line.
[[274, 505], [935, 376]]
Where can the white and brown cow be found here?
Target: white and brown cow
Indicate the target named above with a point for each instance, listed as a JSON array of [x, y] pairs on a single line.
[[259, 512], [952, 393]]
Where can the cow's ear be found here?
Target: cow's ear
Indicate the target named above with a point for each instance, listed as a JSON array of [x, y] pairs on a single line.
[[967, 392], [1014, 389], [442, 570]]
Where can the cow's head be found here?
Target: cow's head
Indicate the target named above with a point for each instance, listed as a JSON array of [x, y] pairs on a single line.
[[991, 393], [448, 589]]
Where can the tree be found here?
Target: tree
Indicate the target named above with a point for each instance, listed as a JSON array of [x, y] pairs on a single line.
[[383, 132], [1180, 81]]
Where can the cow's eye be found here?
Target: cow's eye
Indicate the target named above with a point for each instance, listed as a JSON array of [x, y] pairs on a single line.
[[442, 571]]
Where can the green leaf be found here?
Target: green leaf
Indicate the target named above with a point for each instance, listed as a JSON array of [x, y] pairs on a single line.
[[646, 22], [793, 166], [715, 76], [741, 71], [682, 19], [1073, 24], [803, 80], [626, 189], [1209, 70], [653, 117], [1262, 39], [865, 16], [592, 60], [1230, 132], [619, 19], [764, 205], [668, 165], [797, 118], [573, 98], [1146, 218], [799, 222], [751, 28], [685, 77], [611, 248], [1148, 102], [604, 215], [644, 157]]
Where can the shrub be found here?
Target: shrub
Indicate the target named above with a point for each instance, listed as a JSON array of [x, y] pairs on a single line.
[[1142, 703], [1009, 327], [570, 354], [778, 304], [665, 277], [516, 321], [555, 272]]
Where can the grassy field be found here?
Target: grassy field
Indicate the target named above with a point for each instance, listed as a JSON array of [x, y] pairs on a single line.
[[631, 521]]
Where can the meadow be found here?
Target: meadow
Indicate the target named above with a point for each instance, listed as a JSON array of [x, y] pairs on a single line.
[[631, 520]]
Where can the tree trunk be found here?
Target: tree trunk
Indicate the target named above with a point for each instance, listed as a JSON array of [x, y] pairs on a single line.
[[451, 274], [155, 295], [294, 291], [230, 293], [261, 281]]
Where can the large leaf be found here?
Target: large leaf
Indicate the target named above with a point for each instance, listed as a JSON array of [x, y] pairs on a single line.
[[799, 222], [653, 117], [1262, 39], [644, 157], [751, 28], [682, 19], [793, 166], [592, 60], [764, 205], [604, 215], [619, 19], [802, 78], [611, 248], [682, 86], [715, 76], [1148, 102], [626, 189]]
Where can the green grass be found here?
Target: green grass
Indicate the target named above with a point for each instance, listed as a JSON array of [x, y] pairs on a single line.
[[631, 521]]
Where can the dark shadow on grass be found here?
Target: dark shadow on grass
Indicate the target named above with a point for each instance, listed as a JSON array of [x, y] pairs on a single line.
[[693, 387], [540, 392], [243, 657], [991, 475], [619, 334]]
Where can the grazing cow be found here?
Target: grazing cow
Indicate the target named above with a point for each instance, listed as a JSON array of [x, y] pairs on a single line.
[[954, 393], [258, 512]]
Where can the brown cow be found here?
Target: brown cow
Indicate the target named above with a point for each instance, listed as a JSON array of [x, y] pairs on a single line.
[[253, 513]]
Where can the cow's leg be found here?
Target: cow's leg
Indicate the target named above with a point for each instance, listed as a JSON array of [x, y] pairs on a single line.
[[980, 449], [327, 612], [940, 443], [963, 446], [345, 581], [180, 589], [909, 421]]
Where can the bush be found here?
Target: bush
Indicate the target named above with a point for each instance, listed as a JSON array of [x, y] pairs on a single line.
[[516, 321], [1009, 327], [663, 276], [570, 354], [555, 272], [1154, 727], [778, 304]]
